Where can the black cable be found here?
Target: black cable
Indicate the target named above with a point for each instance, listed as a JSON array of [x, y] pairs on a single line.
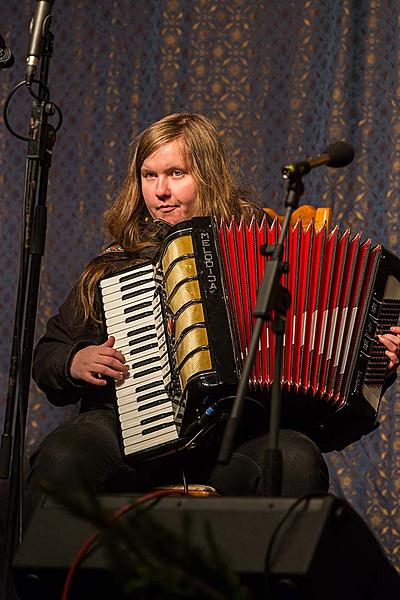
[[52, 106], [277, 530]]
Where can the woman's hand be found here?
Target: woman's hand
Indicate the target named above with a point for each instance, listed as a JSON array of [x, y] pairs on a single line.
[[90, 362], [392, 343]]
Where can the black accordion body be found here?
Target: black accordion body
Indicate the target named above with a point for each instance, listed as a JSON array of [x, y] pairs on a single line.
[[184, 325]]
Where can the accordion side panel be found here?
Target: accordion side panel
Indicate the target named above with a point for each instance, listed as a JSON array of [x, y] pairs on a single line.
[[361, 342], [217, 317], [380, 313], [388, 316]]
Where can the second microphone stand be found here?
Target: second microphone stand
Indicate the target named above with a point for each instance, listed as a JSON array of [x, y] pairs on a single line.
[[42, 136], [273, 300]]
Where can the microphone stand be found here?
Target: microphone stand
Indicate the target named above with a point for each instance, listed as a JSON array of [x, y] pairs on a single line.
[[273, 298], [41, 139]]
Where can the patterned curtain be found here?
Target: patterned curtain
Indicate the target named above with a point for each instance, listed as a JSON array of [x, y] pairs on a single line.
[[280, 79]]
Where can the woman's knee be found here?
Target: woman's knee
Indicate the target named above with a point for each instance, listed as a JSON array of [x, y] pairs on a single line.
[[303, 465], [77, 451]]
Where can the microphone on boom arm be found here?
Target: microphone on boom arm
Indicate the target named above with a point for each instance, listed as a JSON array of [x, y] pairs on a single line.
[[336, 155], [39, 29]]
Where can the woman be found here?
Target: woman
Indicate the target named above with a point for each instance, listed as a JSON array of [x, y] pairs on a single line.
[[178, 169]]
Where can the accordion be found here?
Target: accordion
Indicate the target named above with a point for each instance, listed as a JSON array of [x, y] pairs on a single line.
[[184, 325]]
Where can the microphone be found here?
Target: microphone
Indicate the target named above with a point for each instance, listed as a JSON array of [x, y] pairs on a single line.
[[6, 56], [335, 155], [39, 29]]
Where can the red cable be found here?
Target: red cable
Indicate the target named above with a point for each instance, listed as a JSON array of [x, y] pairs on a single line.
[[90, 541]]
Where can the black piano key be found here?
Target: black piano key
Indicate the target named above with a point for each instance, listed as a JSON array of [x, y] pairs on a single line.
[[140, 330], [137, 317], [143, 348], [140, 282], [147, 372], [145, 362], [153, 404], [150, 395], [134, 275], [157, 428], [134, 294], [149, 386], [154, 418], [137, 307], [144, 338]]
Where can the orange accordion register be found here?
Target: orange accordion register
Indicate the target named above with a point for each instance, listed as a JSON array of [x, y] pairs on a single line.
[[184, 325]]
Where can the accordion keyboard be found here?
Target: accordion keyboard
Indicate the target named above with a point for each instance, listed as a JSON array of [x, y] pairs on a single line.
[[133, 316]]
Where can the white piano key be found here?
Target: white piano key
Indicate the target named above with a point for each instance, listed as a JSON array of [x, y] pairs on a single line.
[[168, 436], [131, 396], [114, 292], [127, 411], [137, 443], [139, 429], [121, 278], [147, 290], [124, 324], [117, 314], [134, 416], [119, 306], [127, 408], [125, 336], [132, 382], [148, 433], [144, 377]]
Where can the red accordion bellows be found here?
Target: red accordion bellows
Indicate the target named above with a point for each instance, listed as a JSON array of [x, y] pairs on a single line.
[[331, 321]]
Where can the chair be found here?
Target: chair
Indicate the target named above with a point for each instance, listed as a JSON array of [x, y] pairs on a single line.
[[193, 489]]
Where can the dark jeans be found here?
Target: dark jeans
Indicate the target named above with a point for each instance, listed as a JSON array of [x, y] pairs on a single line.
[[85, 453]]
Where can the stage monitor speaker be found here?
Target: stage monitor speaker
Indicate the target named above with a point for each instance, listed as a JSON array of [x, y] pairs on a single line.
[[323, 550]]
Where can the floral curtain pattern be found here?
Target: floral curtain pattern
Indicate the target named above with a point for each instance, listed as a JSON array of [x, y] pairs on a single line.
[[280, 79]]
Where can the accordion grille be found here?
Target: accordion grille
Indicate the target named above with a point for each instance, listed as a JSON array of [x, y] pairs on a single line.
[[183, 301], [192, 313], [179, 247], [195, 364]]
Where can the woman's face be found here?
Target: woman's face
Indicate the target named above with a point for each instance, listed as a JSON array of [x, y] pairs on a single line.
[[168, 189]]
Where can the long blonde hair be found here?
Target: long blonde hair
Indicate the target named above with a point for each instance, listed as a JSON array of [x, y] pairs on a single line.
[[205, 158]]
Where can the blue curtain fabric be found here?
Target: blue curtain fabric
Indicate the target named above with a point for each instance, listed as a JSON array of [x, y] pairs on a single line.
[[280, 79]]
